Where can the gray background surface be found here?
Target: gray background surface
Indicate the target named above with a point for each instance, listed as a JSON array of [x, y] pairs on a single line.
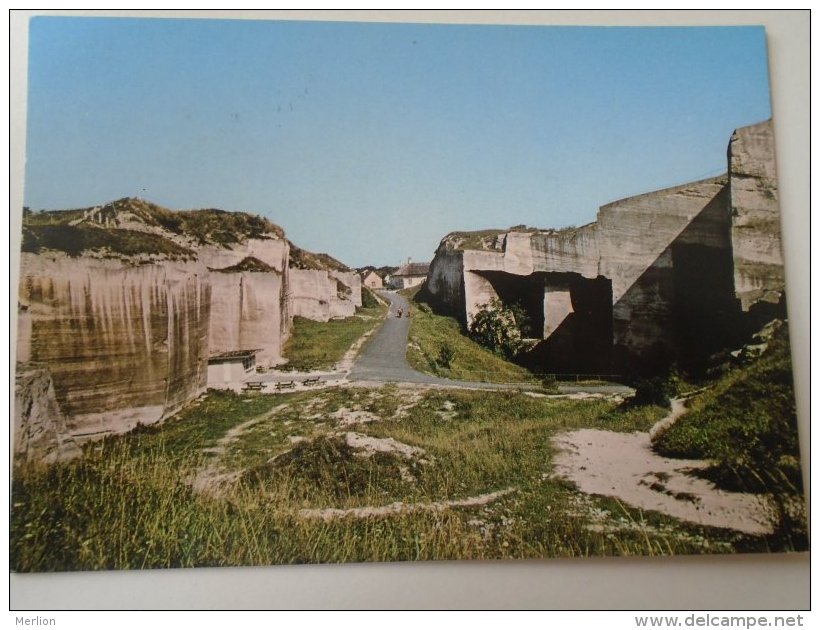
[[714, 583]]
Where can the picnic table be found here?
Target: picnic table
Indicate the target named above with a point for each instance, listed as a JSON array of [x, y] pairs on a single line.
[[285, 385], [257, 386], [312, 381]]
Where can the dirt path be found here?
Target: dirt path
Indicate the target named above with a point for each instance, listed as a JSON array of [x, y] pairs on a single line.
[[213, 479], [623, 465], [329, 514]]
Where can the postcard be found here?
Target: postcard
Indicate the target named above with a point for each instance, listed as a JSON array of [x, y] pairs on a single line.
[[328, 292]]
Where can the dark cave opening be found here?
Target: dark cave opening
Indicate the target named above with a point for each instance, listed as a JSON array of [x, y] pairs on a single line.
[[570, 315]]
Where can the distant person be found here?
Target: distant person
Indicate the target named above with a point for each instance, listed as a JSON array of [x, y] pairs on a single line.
[[399, 315]]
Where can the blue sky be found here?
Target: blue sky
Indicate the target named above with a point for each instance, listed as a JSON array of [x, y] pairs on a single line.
[[372, 141]]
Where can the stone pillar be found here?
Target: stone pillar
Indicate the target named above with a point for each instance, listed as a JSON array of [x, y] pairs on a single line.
[[756, 247], [478, 291], [557, 305]]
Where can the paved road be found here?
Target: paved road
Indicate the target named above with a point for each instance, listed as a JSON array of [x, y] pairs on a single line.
[[383, 359]]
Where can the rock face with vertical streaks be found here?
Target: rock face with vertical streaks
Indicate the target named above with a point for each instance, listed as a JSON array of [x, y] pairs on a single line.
[[756, 246], [121, 305], [124, 344]]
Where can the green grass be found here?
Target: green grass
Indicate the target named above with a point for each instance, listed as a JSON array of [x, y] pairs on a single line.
[[303, 259], [75, 239], [51, 230], [320, 345], [429, 333], [129, 501], [746, 423]]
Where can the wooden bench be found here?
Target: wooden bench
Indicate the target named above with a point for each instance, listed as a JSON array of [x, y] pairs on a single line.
[[312, 381], [256, 386], [285, 385]]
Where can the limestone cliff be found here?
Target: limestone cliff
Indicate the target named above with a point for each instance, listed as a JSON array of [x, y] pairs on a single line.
[[249, 297], [321, 287], [124, 343], [322, 295], [115, 305], [40, 431], [666, 276], [121, 305], [756, 246]]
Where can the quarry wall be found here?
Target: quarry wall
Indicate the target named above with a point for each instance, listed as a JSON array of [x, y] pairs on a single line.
[[122, 344], [322, 295], [667, 276], [107, 342], [756, 248]]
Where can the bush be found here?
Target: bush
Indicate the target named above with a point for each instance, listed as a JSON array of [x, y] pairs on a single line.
[[550, 384], [446, 354], [368, 299], [654, 391], [494, 326]]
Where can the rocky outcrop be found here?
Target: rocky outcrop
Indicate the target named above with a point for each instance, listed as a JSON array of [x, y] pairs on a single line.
[[667, 276], [248, 311], [40, 431], [249, 297]]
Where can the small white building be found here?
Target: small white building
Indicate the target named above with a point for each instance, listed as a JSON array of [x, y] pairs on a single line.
[[409, 275], [372, 280], [229, 367]]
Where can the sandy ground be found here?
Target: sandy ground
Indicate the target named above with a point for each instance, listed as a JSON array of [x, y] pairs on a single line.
[[623, 465], [367, 446]]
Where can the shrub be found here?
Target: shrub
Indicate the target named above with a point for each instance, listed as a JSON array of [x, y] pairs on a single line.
[[654, 391], [368, 299], [549, 383], [446, 354], [494, 326]]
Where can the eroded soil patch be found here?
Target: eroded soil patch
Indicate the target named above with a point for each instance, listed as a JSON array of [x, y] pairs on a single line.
[[623, 465]]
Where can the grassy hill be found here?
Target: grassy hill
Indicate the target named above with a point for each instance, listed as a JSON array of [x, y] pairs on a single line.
[[438, 346], [303, 259], [746, 424], [130, 227]]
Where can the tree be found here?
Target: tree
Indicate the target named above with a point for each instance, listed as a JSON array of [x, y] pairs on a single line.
[[494, 326]]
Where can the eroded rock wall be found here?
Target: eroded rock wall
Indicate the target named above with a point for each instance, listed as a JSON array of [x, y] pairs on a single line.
[[642, 240], [445, 281], [348, 294], [322, 295], [124, 344], [309, 294], [573, 250], [635, 232], [247, 313], [40, 430], [271, 251], [756, 243], [690, 269], [115, 333]]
